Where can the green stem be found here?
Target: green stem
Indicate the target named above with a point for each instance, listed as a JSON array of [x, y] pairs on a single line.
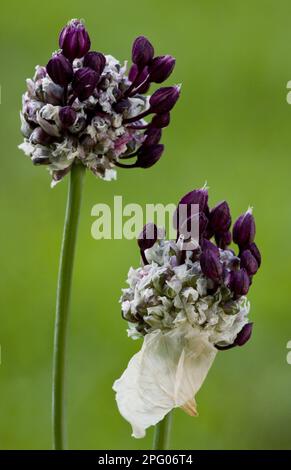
[[63, 304], [162, 433]]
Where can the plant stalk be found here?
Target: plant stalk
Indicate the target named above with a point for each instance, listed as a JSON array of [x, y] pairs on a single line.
[[63, 305]]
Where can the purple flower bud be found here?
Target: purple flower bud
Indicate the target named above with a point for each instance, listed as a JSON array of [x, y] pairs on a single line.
[[153, 136], [84, 82], [60, 69], [239, 282], [256, 253], [203, 222], [148, 156], [142, 52], [244, 335], [220, 218], [95, 61], [148, 236], [141, 83], [190, 224], [197, 196], [74, 40], [211, 265], [207, 245], [244, 229], [161, 120], [67, 116], [133, 73], [249, 262], [241, 339], [161, 68], [223, 239], [164, 99], [39, 136]]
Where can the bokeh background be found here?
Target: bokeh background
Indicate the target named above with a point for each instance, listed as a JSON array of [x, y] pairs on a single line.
[[231, 127]]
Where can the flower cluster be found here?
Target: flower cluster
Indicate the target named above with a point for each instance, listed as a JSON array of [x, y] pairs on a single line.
[[84, 107], [187, 304]]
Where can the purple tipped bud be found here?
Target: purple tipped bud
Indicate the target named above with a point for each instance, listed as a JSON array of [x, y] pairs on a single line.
[[39, 136], [244, 335], [223, 239], [67, 116], [60, 69], [203, 222], [241, 339], [133, 73], [148, 156], [141, 81], [153, 136], [211, 265], [197, 196], [239, 282], [161, 68], [207, 245], [84, 82], [161, 120], [95, 61], [244, 229], [164, 99], [74, 40], [220, 218], [249, 262], [142, 52], [148, 236], [256, 253]]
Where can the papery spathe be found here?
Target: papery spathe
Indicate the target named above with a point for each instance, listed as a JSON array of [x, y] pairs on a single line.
[[166, 373]]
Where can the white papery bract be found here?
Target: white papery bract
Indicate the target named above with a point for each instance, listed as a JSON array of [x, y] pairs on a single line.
[[172, 306], [165, 374]]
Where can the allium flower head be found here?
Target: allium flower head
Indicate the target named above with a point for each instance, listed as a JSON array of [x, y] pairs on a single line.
[[84, 107], [187, 304]]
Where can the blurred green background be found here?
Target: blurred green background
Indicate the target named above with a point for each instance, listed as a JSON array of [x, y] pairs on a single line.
[[231, 127]]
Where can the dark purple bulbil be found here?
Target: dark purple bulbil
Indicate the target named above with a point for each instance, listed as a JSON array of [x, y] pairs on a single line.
[[220, 218], [161, 68], [164, 99], [208, 245], [60, 69], [142, 52], [161, 120], [223, 240], [197, 196], [74, 40], [244, 230], [241, 339], [149, 155], [256, 253], [153, 136], [249, 262], [239, 282], [211, 265], [84, 83], [67, 116], [96, 61]]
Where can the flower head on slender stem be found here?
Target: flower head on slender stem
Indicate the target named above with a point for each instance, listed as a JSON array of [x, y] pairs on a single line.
[[84, 106], [187, 303]]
